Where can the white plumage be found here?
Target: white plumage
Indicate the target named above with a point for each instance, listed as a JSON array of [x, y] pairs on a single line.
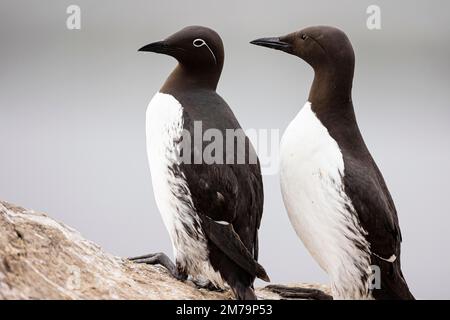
[[321, 213]]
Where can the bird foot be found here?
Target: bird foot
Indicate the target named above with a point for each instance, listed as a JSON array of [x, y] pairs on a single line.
[[161, 259], [207, 285], [299, 293]]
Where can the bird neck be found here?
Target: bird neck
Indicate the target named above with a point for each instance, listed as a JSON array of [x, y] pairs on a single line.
[[331, 91], [331, 101], [183, 77]]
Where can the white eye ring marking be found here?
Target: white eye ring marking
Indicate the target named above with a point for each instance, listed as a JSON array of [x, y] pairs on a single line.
[[200, 43]]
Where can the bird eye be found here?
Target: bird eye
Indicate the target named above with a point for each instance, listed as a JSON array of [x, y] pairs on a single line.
[[198, 43], [304, 36]]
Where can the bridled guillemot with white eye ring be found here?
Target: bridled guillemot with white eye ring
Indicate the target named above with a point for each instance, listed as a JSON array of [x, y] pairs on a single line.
[[211, 211], [335, 195]]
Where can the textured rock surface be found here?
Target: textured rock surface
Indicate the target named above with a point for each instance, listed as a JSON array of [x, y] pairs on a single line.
[[44, 259]]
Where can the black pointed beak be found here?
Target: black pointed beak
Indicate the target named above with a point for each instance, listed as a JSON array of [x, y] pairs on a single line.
[[273, 43], [158, 47]]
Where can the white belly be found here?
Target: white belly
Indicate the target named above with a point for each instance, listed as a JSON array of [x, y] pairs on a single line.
[[164, 126], [311, 170]]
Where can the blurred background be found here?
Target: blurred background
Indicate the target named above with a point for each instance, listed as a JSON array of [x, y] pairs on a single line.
[[72, 115]]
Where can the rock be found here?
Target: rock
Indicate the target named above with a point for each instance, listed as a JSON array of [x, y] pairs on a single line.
[[41, 258]]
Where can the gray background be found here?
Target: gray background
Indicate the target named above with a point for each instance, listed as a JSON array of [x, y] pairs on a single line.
[[72, 108]]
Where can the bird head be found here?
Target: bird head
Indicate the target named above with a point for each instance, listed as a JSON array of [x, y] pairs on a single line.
[[194, 47], [320, 46]]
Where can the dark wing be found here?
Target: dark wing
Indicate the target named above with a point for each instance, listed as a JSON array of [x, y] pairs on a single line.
[[230, 210], [257, 196], [222, 192], [229, 242], [373, 203], [377, 214]]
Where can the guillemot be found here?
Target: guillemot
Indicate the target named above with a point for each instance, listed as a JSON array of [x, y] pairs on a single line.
[[335, 195], [212, 210]]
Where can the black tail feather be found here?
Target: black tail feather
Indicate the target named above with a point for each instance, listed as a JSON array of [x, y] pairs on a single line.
[[244, 293], [393, 284]]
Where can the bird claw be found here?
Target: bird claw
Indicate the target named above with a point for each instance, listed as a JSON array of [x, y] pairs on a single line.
[[299, 293]]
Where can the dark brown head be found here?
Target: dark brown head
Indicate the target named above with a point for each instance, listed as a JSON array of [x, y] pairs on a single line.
[[321, 47], [196, 48], [328, 51]]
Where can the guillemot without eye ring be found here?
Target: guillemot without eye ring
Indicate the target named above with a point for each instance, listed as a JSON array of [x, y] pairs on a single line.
[[335, 195]]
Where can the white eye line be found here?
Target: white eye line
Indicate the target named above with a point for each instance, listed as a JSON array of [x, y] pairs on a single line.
[[203, 43]]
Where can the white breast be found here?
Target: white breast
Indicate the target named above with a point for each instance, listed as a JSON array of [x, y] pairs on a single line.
[[164, 123], [322, 215], [164, 127]]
